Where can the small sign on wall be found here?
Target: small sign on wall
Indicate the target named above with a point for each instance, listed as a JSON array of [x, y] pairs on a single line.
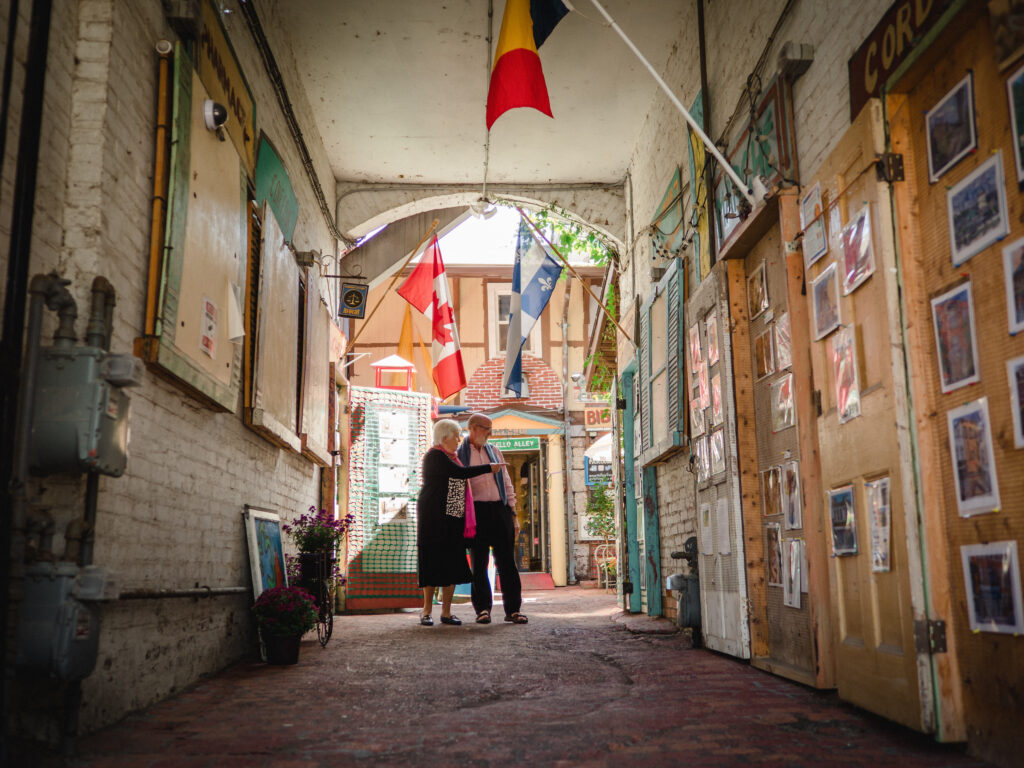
[[597, 417]]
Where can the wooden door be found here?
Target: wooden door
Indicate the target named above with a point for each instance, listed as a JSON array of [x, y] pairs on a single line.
[[864, 438]]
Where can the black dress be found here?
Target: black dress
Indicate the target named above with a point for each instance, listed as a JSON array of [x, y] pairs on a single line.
[[441, 520]]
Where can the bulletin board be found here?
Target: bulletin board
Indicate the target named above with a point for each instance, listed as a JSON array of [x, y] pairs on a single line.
[[315, 374], [204, 265], [273, 411]]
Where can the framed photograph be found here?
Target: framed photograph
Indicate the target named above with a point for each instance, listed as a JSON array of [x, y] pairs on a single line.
[[702, 385], [1007, 20], [791, 562], [974, 468], [757, 291], [695, 353], [771, 487], [783, 408], [825, 301], [394, 451], [707, 543], [953, 319], [1015, 94], [266, 553], [1015, 371], [711, 328], [949, 128], [783, 343], [876, 494], [716, 446], [976, 206], [392, 509], [791, 496], [815, 243], [992, 579], [764, 354], [696, 418], [703, 460], [393, 424], [722, 513], [844, 373], [773, 554], [716, 400], [843, 521], [1013, 274], [858, 253], [393, 480]]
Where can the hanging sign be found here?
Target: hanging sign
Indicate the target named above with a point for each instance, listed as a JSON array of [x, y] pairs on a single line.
[[516, 443], [353, 300], [597, 417]]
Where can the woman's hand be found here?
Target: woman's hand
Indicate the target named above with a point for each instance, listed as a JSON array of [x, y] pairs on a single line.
[[496, 468]]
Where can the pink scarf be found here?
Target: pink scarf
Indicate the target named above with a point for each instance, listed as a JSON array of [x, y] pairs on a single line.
[[470, 530]]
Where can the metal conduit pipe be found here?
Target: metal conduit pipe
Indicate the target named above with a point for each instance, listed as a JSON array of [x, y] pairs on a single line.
[[160, 594]]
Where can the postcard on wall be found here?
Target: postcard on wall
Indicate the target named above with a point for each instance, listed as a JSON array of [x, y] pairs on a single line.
[[695, 353], [757, 291], [707, 546], [771, 488], [716, 400], [716, 446], [791, 496], [803, 565], [815, 244], [702, 385], [949, 128], [783, 407], [825, 300], [208, 328], [876, 495], [393, 480], [764, 354], [1015, 93], [394, 451], [844, 373], [791, 561], [392, 509], [696, 418], [703, 460], [953, 319], [722, 524], [783, 343], [1013, 275], [1015, 372], [976, 207], [393, 424], [974, 467], [992, 579], [711, 328], [773, 554], [843, 521], [858, 253]]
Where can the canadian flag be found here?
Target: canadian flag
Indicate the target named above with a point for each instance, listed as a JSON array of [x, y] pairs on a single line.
[[426, 288]]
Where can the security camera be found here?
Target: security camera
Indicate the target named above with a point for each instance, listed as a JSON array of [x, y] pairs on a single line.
[[576, 377], [215, 116]]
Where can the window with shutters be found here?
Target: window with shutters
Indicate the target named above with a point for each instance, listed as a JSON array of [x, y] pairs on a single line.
[[499, 302]]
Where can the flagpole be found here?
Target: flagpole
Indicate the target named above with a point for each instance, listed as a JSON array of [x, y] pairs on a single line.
[[391, 285], [578, 276], [748, 192]]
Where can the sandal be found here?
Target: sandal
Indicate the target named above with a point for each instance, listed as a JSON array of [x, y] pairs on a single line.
[[484, 617], [516, 618]]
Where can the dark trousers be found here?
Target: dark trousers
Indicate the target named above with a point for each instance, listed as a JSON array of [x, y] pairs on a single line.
[[494, 529]]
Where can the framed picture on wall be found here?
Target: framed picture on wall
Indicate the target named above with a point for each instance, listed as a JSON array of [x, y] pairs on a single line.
[[702, 384], [949, 128], [696, 418], [791, 562], [825, 301], [703, 460], [783, 408], [1015, 94], [1015, 371], [783, 342], [771, 487], [716, 447], [842, 520], [757, 291], [974, 467], [815, 243], [877, 498], [711, 328], [953, 320], [976, 206], [764, 354], [773, 554], [266, 552], [716, 400], [858, 253], [791, 496], [1013, 275], [844, 373], [992, 580], [695, 353]]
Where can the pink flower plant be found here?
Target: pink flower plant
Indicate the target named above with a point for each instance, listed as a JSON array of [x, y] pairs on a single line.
[[287, 611]]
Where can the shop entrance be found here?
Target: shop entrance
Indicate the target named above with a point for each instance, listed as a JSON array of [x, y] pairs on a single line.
[[525, 467]]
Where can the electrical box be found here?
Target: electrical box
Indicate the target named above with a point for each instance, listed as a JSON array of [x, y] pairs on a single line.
[[80, 420], [58, 634]]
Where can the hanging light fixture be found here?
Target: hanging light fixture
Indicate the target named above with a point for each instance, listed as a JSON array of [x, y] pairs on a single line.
[[484, 208]]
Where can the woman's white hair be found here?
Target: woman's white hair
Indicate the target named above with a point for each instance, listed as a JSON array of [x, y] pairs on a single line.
[[445, 427]]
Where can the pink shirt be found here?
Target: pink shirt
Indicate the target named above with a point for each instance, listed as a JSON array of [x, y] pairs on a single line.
[[484, 488]]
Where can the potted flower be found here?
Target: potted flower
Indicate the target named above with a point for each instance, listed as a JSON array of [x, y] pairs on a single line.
[[284, 615], [317, 535]]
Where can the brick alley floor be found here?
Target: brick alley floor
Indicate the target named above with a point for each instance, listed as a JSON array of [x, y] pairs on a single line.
[[578, 685]]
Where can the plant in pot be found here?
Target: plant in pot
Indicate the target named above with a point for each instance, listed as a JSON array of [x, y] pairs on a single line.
[[317, 535], [284, 615]]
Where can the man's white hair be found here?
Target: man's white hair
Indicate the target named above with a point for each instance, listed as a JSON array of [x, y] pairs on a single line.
[[445, 427]]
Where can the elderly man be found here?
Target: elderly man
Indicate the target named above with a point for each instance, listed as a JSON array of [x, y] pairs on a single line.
[[497, 526]]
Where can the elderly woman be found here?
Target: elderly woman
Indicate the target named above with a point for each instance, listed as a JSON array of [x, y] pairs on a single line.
[[441, 521]]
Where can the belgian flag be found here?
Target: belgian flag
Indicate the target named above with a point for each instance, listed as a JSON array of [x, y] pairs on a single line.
[[517, 79]]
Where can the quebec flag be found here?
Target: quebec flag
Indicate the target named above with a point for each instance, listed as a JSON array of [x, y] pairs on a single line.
[[533, 280]]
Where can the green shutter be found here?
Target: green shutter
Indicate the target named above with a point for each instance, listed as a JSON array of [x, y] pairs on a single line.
[[643, 377]]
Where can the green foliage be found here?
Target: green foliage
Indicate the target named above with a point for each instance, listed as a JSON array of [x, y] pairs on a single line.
[[603, 375], [601, 513], [573, 237]]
